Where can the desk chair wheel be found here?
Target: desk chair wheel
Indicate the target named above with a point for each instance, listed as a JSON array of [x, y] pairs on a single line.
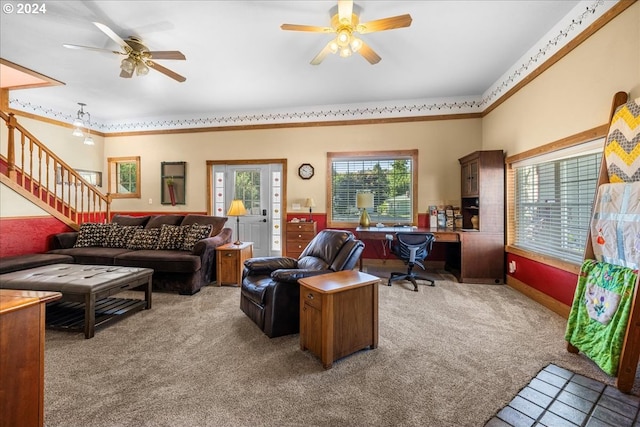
[[411, 277], [412, 248]]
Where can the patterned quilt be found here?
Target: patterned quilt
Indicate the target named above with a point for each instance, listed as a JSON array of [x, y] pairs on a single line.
[[600, 312], [615, 225], [622, 150]]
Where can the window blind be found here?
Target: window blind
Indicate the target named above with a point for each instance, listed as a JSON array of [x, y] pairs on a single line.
[[389, 179], [553, 203]]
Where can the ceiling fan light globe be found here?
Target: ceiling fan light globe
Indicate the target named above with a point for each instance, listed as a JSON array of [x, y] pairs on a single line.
[[78, 123], [334, 47], [345, 52], [142, 69], [344, 36], [127, 65], [77, 132], [356, 44], [88, 140]]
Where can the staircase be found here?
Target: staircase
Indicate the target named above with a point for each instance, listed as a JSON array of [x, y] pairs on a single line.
[[32, 170]]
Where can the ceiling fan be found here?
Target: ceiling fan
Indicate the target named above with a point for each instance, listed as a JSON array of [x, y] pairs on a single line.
[[344, 24], [138, 57]]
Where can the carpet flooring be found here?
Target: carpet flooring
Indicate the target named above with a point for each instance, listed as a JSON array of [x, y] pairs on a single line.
[[450, 355]]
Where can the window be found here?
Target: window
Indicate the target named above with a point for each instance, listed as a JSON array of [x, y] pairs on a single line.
[[124, 177], [553, 201], [390, 176]]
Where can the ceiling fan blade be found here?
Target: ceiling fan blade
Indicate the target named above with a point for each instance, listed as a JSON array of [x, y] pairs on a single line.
[[323, 53], [345, 9], [126, 75], [166, 71], [113, 36], [166, 54], [369, 54], [75, 46], [311, 28], [383, 24]]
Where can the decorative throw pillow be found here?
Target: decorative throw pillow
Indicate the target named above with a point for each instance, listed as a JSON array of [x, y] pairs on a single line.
[[171, 237], [195, 233], [144, 239], [119, 235], [92, 234]]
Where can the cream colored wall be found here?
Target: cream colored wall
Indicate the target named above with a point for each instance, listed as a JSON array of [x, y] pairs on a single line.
[[440, 144], [575, 94], [13, 205]]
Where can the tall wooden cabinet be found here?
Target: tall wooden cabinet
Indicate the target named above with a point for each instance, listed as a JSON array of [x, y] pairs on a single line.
[[482, 197]]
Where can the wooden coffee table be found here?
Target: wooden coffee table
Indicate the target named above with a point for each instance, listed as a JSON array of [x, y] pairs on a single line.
[[338, 314]]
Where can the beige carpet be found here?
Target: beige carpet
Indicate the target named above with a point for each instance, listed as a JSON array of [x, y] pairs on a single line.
[[450, 355]]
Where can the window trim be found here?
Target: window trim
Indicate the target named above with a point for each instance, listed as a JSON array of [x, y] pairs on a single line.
[[413, 154], [570, 141], [111, 168]]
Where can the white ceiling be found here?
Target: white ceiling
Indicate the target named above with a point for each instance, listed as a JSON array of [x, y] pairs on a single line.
[[240, 63]]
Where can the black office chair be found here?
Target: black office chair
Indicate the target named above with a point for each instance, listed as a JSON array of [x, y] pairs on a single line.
[[412, 248]]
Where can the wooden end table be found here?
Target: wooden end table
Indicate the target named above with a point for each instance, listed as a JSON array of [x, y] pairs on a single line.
[[230, 260], [338, 314]]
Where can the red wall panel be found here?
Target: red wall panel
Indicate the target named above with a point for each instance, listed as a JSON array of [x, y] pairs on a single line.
[[558, 284], [28, 235]]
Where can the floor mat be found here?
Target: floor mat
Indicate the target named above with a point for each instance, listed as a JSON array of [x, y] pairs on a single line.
[[558, 397]]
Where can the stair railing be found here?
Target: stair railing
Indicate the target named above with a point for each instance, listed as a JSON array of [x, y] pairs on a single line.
[[48, 180]]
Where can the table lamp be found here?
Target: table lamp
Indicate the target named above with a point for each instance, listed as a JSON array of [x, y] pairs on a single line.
[[364, 201], [310, 203], [237, 209]]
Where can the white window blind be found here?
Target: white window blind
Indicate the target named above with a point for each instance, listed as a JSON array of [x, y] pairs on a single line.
[[553, 202], [390, 179]]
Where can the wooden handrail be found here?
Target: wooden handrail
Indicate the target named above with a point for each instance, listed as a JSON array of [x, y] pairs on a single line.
[[56, 186]]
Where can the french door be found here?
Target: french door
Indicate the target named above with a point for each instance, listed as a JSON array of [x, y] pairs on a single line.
[[259, 187]]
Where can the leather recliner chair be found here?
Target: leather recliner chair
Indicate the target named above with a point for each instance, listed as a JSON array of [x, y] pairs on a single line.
[[270, 293]]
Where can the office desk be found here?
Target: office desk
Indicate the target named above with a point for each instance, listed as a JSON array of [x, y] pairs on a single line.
[[464, 254]]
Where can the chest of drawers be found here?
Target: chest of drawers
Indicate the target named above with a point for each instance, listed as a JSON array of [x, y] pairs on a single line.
[[298, 236]]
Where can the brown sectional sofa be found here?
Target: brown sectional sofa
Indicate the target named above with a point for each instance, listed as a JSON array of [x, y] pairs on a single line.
[[176, 268]]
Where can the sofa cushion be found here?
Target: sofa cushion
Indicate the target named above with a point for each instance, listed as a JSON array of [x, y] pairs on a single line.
[[144, 239], [157, 221], [160, 260], [92, 234], [130, 220], [217, 222], [120, 235], [92, 255], [194, 234], [171, 237]]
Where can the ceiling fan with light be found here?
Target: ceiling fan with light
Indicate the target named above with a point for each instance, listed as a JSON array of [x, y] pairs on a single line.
[[344, 24], [138, 57]]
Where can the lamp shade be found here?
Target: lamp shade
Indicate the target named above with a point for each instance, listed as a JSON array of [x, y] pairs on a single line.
[[310, 203], [237, 208], [364, 200]]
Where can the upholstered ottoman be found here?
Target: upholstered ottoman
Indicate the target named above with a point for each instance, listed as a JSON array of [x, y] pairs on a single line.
[[22, 262], [85, 290]]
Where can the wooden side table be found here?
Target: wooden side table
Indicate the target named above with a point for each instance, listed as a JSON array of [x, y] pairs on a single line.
[[338, 314], [230, 260], [22, 315]]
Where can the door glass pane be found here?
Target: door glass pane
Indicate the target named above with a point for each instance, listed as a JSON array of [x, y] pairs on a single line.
[[247, 189]]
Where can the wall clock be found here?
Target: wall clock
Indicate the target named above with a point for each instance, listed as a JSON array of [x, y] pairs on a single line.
[[305, 171]]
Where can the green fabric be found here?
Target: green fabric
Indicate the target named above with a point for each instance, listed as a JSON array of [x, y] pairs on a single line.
[[601, 343]]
